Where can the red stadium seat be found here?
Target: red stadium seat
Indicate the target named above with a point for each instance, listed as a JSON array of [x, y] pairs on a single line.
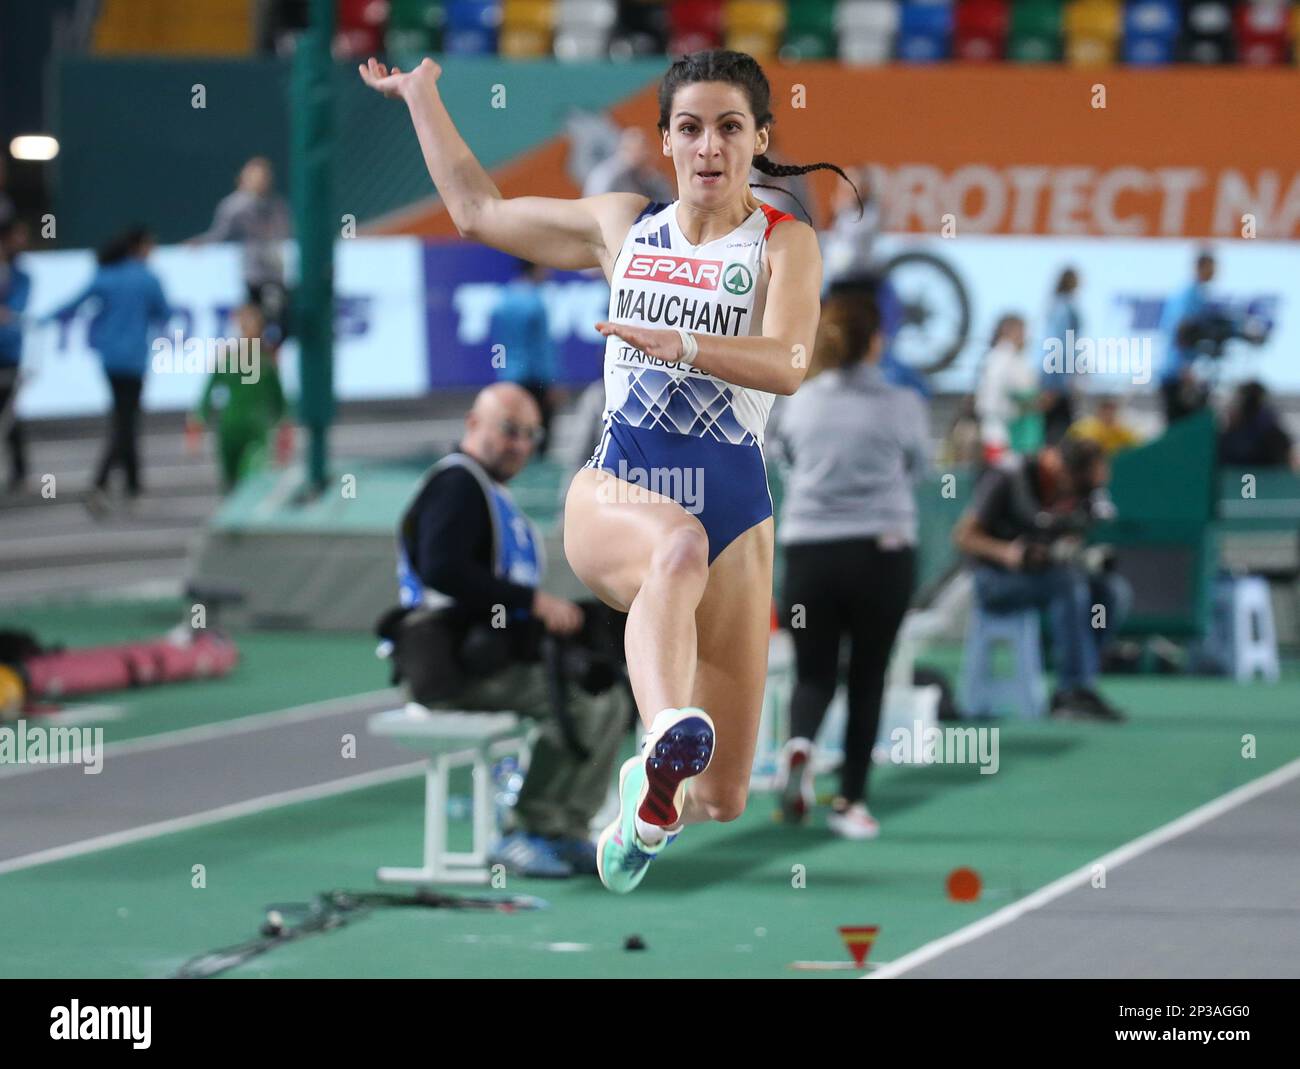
[[1262, 34], [980, 30], [704, 17]]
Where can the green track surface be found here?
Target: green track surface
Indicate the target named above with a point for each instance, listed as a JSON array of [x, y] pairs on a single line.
[[719, 903]]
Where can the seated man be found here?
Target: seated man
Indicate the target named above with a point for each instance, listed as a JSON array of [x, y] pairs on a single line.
[[1106, 427], [1024, 532], [470, 563]]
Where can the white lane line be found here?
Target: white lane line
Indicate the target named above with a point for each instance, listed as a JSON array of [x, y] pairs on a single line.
[[245, 808], [1187, 822], [390, 696]]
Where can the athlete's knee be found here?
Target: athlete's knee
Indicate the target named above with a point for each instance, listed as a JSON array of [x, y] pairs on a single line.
[[725, 804], [682, 554]]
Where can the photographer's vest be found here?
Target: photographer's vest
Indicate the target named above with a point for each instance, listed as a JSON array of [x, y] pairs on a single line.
[[517, 553]]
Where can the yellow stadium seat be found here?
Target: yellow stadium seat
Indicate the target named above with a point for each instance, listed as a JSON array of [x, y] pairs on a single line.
[[1085, 51], [194, 28], [755, 16], [1094, 18], [535, 15], [524, 44], [762, 46]]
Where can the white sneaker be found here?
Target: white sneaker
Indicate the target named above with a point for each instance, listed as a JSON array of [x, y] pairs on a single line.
[[853, 823]]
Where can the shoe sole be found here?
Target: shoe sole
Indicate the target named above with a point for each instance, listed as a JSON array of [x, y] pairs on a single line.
[[683, 751]]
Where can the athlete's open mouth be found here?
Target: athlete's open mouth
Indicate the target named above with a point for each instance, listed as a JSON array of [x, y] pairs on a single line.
[[708, 176]]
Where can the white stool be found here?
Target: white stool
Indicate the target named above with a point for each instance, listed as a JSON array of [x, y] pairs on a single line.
[[1254, 640], [451, 740]]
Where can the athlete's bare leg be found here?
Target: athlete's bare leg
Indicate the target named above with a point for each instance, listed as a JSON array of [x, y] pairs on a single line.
[[733, 624], [644, 554]]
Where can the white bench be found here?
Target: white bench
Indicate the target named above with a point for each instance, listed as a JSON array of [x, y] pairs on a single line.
[[452, 740]]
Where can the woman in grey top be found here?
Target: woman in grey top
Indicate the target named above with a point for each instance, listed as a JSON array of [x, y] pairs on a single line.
[[856, 447]]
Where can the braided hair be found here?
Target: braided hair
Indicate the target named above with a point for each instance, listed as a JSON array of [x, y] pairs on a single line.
[[742, 71]]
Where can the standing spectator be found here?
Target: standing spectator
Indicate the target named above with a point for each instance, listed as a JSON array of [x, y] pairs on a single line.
[[1063, 329], [249, 405], [15, 289], [258, 218], [629, 171], [1107, 428], [856, 447], [1183, 392], [130, 301], [520, 325], [1006, 397], [1253, 435]]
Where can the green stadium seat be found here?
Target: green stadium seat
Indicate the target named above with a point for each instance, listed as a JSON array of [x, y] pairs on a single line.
[[1035, 32]]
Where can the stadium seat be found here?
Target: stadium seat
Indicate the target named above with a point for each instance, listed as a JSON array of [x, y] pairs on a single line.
[[471, 27], [582, 28], [866, 30], [199, 28], [754, 26], [641, 30], [1092, 32], [526, 28], [980, 30], [414, 26], [1207, 32], [1262, 33], [924, 31], [810, 31], [1035, 32], [1151, 32]]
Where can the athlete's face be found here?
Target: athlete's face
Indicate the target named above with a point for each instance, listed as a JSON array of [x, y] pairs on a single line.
[[712, 140]]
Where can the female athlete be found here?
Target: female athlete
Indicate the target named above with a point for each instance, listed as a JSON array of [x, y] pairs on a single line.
[[714, 303]]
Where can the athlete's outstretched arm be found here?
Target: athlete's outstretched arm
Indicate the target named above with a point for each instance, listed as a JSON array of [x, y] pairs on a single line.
[[777, 360], [552, 231]]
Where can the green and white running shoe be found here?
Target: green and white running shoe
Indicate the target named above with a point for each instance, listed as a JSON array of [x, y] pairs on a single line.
[[653, 786]]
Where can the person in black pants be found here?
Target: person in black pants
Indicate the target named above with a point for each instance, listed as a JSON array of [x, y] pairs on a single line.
[[856, 446], [130, 304]]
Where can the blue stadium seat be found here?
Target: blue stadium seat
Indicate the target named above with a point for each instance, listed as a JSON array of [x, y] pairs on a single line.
[[924, 31], [1151, 29]]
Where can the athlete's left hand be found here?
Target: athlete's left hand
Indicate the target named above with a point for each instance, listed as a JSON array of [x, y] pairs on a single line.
[[665, 344]]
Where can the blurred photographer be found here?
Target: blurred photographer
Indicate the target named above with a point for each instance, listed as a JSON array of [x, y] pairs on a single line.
[[1195, 326], [1024, 532], [475, 633]]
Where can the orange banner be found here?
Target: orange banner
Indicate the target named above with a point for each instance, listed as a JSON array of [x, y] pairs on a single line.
[[1183, 152]]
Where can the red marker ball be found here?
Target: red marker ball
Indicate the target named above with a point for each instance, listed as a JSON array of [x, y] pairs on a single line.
[[963, 885]]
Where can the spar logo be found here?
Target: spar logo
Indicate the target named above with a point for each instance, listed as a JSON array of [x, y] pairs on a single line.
[[676, 271], [737, 279]]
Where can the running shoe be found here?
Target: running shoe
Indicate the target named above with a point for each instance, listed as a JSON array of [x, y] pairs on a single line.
[[794, 781], [855, 822], [653, 786]]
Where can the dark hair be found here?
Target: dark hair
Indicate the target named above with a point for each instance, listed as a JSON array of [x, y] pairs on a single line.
[[122, 245], [1205, 256], [1068, 281], [850, 319], [1247, 405], [1080, 456], [742, 71]]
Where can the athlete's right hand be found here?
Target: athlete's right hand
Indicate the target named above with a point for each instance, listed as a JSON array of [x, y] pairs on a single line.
[[560, 616], [394, 84]]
